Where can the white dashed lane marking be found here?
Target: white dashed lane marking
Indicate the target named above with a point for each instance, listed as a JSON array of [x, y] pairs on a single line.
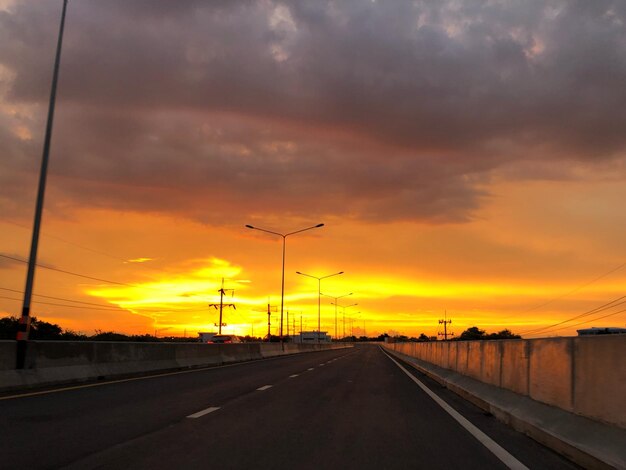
[[264, 387], [204, 412], [294, 375]]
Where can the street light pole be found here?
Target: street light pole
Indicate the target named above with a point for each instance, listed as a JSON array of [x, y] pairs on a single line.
[[344, 316], [24, 323], [335, 303], [319, 297], [282, 284]]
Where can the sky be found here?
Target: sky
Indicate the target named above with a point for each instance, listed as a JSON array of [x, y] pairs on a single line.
[[467, 158]]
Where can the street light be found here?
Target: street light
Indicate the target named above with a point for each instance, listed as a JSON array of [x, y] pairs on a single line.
[[282, 289], [344, 307], [319, 296], [336, 299]]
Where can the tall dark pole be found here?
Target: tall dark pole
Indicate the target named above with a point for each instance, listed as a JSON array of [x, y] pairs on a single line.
[[219, 330], [319, 294], [221, 305], [282, 288], [24, 324], [336, 299], [269, 323], [319, 308]]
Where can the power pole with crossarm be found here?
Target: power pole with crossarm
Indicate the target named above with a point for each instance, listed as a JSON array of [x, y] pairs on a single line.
[[221, 306]]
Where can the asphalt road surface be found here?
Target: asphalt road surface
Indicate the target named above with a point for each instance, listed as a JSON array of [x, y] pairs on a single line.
[[342, 409]]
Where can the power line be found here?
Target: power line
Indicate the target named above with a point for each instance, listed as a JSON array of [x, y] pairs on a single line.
[[62, 305], [589, 321], [67, 241], [107, 281], [102, 253], [590, 312], [105, 306], [58, 298], [576, 289]]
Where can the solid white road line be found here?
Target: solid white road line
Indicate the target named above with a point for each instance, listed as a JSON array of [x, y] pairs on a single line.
[[264, 387], [132, 379], [485, 440], [204, 412]]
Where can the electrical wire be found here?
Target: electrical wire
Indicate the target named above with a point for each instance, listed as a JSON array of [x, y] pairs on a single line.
[[589, 321], [62, 305], [67, 241], [576, 289], [82, 247], [107, 281], [58, 298], [598, 309]]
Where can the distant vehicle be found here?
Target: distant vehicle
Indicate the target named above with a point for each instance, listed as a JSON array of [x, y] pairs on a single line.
[[205, 337], [222, 339]]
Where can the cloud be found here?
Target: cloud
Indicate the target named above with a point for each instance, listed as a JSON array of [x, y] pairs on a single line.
[[376, 112], [139, 260]]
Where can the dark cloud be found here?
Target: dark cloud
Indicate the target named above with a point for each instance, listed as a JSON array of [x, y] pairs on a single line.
[[376, 111]]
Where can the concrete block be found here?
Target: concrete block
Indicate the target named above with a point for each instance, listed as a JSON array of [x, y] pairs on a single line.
[[7, 355], [550, 372], [442, 354], [491, 362], [461, 357], [600, 378], [271, 350], [430, 348], [43, 354], [474, 359], [515, 361], [198, 354], [452, 355]]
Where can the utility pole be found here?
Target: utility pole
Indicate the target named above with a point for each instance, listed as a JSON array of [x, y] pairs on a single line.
[[221, 305], [445, 322], [24, 322], [269, 311]]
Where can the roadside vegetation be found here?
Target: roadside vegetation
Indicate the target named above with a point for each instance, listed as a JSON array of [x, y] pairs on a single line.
[[42, 330]]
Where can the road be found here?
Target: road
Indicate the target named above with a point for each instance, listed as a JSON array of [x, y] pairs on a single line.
[[350, 408]]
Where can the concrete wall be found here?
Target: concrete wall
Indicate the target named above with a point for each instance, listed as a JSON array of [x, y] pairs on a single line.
[[583, 375], [55, 362]]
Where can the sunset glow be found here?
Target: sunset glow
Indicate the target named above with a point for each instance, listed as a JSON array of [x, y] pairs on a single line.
[[466, 161]]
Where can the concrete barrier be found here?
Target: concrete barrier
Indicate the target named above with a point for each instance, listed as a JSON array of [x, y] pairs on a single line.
[[59, 362], [7, 355], [589, 442], [582, 375], [599, 377]]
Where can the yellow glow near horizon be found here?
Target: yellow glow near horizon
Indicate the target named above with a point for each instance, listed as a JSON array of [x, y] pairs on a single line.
[[180, 302]]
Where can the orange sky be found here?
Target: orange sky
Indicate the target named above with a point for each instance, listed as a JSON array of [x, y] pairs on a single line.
[[468, 160], [494, 272]]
